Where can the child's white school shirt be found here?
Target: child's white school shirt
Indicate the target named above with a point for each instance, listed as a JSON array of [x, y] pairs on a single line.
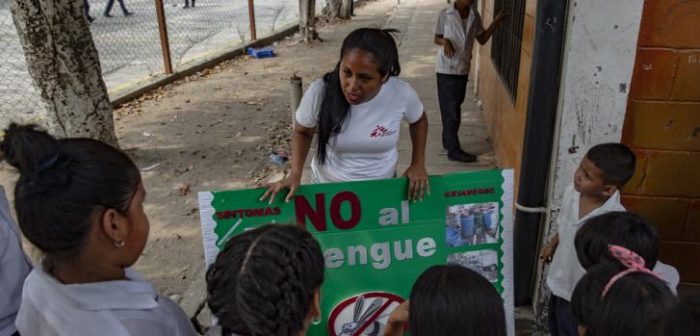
[[366, 147], [669, 275], [14, 267], [566, 271], [461, 33], [111, 308]]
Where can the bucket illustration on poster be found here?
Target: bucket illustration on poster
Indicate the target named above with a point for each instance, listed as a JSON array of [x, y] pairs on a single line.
[[365, 314]]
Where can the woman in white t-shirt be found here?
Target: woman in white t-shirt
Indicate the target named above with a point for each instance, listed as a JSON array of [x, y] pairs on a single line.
[[357, 110]]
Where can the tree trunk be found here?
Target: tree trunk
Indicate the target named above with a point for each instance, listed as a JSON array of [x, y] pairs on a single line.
[[307, 20], [65, 67], [341, 9]]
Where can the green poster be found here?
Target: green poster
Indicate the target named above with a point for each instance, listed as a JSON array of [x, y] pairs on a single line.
[[376, 243]]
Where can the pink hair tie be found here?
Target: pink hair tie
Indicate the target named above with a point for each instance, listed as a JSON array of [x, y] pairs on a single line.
[[629, 259]]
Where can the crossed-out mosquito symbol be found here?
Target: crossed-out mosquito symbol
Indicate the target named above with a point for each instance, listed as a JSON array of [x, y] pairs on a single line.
[[366, 321]]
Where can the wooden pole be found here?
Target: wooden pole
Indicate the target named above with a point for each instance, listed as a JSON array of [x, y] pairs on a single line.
[[251, 18], [164, 43]]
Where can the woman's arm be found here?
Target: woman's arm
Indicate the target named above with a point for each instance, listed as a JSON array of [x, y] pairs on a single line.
[[301, 142], [416, 172]]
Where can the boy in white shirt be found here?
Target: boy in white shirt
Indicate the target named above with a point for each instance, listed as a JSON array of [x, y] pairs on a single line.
[[457, 27], [602, 172]]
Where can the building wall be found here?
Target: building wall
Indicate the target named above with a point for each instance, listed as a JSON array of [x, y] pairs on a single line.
[[505, 118], [663, 127]]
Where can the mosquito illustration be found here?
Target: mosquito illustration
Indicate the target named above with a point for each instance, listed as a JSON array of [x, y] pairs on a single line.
[[360, 317]]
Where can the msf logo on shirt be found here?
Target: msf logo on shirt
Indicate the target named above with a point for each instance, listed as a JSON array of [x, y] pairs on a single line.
[[380, 131]]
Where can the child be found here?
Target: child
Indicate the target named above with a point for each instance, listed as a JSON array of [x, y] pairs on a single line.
[[14, 267], [622, 298], [684, 318], [266, 282], [457, 27], [450, 300], [601, 173], [628, 230], [80, 202]]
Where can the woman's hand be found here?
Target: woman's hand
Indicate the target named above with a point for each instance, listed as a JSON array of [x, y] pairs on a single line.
[[292, 183], [397, 320], [418, 184]]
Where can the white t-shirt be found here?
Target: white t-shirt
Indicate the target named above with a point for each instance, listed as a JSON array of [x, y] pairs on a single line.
[[669, 275], [14, 267], [566, 271], [366, 147], [461, 33], [111, 308]]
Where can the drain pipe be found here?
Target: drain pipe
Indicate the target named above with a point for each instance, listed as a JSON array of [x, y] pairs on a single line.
[[537, 146]]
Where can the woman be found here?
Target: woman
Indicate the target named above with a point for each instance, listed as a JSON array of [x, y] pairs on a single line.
[[357, 110]]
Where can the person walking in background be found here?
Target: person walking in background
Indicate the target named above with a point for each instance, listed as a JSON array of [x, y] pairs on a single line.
[[86, 11], [108, 9]]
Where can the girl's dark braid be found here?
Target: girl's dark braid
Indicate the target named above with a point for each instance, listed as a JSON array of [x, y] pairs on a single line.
[[276, 270]]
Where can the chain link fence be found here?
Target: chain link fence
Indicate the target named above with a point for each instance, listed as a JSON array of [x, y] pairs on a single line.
[[129, 43]]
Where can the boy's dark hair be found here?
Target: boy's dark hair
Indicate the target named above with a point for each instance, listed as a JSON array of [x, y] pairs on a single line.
[[634, 305], [451, 300], [684, 318], [263, 281], [334, 108], [616, 161], [63, 185], [616, 228]]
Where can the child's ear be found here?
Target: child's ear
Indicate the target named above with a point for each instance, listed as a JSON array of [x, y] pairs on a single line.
[[114, 226], [316, 304], [609, 190]]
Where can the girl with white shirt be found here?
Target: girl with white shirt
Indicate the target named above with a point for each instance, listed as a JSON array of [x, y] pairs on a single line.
[[357, 110], [80, 202]]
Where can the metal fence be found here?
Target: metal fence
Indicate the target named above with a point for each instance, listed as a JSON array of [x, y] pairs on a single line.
[[130, 47]]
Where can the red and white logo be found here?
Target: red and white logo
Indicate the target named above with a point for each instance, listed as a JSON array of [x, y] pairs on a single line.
[[380, 131], [363, 315]]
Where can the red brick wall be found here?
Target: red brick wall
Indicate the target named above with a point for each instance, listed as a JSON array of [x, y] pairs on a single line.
[[663, 127]]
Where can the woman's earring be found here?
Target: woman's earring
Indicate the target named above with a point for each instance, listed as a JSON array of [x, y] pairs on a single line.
[[119, 243], [316, 320]]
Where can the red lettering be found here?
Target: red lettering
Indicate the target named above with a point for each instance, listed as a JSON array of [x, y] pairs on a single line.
[[355, 210], [276, 211], [220, 215], [259, 212], [303, 209]]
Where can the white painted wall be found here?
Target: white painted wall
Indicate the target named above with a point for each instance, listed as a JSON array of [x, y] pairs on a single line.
[[598, 59]]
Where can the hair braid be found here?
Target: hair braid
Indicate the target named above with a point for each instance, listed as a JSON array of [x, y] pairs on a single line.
[[272, 273]]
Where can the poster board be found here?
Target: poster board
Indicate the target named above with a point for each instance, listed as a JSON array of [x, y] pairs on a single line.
[[376, 243]]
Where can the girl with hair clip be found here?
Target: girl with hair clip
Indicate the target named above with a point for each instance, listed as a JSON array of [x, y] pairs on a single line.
[[357, 110], [630, 300], [266, 281], [450, 300], [625, 229], [80, 202]]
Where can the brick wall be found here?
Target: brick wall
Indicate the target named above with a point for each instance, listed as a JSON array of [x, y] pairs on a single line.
[[505, 118], [663, 127]]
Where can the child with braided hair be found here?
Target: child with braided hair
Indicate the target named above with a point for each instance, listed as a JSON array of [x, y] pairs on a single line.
[[621, 298], [266, 282]]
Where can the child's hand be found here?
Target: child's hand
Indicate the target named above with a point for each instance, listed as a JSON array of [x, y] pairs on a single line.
[[448, 48], [547, 253], [397, 320], [501, 15]]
